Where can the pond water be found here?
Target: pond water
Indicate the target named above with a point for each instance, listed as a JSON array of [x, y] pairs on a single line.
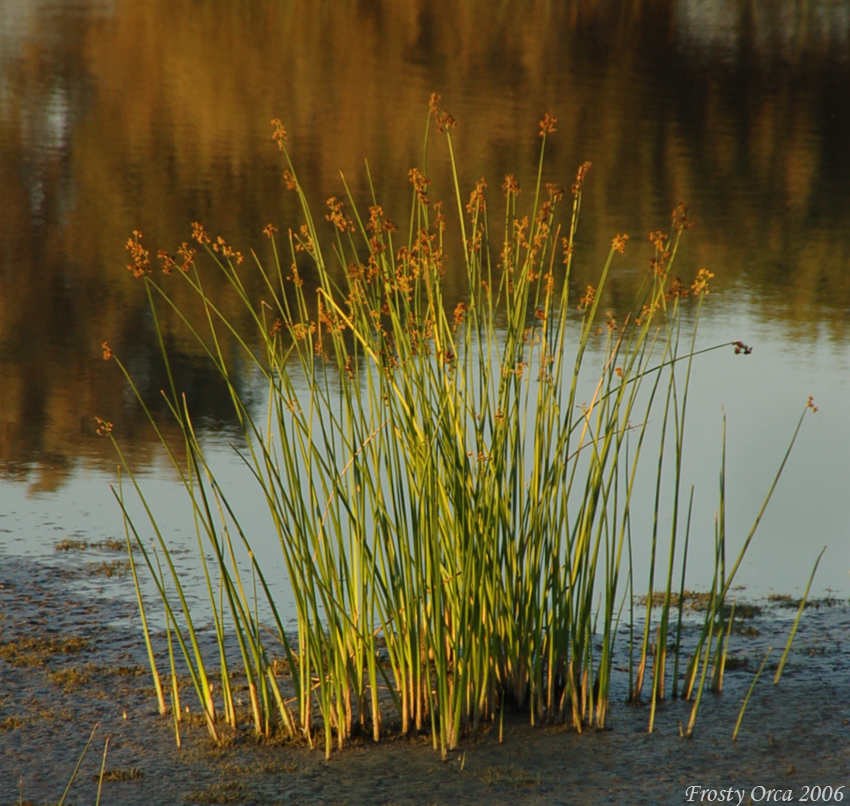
[[118, 116]]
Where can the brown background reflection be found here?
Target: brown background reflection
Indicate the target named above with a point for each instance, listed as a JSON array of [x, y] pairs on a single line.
[[152, 115]]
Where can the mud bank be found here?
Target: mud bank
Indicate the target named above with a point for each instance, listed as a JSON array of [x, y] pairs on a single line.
[[69, 661]]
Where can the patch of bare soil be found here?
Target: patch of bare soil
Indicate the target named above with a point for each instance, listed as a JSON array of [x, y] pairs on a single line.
[[68, 662]]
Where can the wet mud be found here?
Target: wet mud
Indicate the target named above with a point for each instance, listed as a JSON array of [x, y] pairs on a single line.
[[72, 656]]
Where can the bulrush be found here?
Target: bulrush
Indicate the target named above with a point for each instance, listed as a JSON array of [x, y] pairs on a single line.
[[450, 482]]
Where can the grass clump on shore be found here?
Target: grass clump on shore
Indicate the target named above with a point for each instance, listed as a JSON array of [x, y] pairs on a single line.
[[452, 510]]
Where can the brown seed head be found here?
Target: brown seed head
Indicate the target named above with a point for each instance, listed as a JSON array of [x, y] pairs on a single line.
[[199, 233], [337, 217], [460, 309], [477, 202], [556, 192], [700, 284], [141, 257], [580, 176], [442, 118], [291, 181], [510, 185], [587, 300], [619, 243], [279, 135], [168, 261], [420, 184], [547, 125], [658, 240], [680, 219]]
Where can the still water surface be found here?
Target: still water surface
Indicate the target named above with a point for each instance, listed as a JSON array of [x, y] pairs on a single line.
[[117, 116]]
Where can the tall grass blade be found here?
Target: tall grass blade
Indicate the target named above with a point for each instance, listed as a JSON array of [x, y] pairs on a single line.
[[778, 676], [740, 719], [77, 768]]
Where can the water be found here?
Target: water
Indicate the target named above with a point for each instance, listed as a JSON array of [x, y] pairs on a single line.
[[117, 116]]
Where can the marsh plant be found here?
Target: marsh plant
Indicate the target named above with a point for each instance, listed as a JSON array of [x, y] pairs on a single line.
[[453, 512]]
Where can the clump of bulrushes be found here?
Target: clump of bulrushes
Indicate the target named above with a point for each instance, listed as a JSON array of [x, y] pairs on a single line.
[[454, 518]]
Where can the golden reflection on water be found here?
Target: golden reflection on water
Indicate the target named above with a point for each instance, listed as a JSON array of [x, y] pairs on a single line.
[[123, 116]]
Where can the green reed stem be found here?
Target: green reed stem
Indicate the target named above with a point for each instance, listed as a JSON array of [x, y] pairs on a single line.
[[681, 605], [157, 682], [102, 772], [740, 719], [778, 676], [77, 768]]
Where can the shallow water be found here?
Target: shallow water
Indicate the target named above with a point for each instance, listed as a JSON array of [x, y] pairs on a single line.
[[117, 116]]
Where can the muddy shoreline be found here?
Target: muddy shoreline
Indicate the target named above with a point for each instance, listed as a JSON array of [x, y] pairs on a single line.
[[68, 662]]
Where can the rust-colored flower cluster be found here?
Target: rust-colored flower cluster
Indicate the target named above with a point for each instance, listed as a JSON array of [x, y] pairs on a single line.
[[518, 370], [182, 260], [377, 226], [378, 222], [279, 135], [658, 262], [439, 218], [225, 250], [300, 331], [680, 219], [337, 217], [420, 184], [618, 244], [581, 174], [304, 240], [677, 290], [544, 212], [141, 264], [199, 233], [291, 181], [556, 192], [700, 284], [547, 125], [329, 319], [587, 300], [568, 250], [295, 277], [510, 186], [648, 311], [140, 256], [442, 118], [477, 203], [460, 311]]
